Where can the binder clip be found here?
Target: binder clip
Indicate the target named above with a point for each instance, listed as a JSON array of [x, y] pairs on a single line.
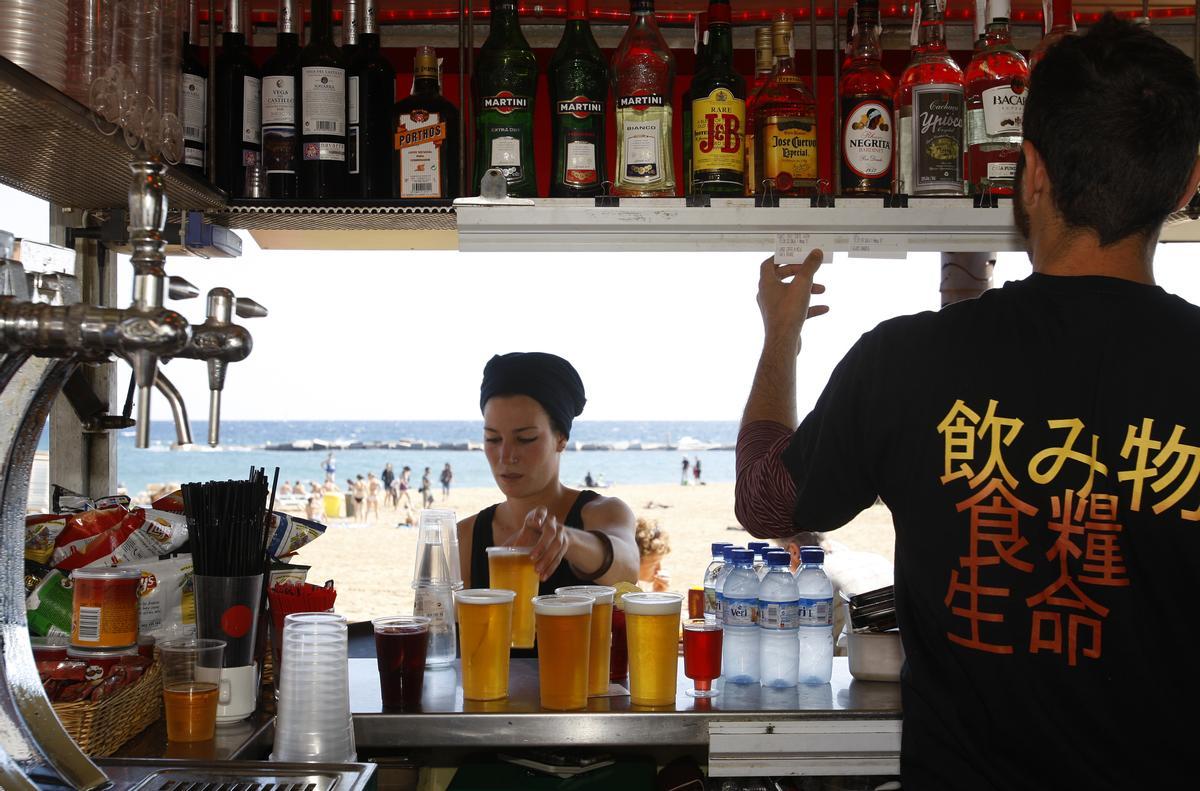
[[604, 200]]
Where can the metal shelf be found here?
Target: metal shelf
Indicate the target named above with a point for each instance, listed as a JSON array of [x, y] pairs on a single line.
[[50, 148], [859, 226], [352, 226]]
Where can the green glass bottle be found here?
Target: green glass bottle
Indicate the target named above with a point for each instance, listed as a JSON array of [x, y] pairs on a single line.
[[505, 87], [718, 101], [700, 51], [578, 104]]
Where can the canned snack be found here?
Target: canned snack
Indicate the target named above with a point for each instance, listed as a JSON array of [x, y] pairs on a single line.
[[104, 607], [98, 661], [53, 648]]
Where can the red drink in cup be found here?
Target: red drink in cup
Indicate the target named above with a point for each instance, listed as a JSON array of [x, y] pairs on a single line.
[[401, 643], [618, 657], [702, 655]]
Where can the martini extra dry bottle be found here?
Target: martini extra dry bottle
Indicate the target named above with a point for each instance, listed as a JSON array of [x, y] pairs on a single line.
[[505, 86]]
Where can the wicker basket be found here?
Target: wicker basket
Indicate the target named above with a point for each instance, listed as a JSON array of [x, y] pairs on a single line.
[[101, 728]]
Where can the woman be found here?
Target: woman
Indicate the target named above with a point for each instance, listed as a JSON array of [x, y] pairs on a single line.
[[653, 546], [578, 537], [373, 491]]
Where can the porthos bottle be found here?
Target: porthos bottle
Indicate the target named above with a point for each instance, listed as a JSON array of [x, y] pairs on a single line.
[[764, 64], [578, 99], [239, 133], [718, 99], [322, 109], [996, 81], [1060, 22], [193, 103], [786, 153], [370, 100], [865, 93], [281, 150], [643, 73], [930, 103], [505, 86], [427, 136]]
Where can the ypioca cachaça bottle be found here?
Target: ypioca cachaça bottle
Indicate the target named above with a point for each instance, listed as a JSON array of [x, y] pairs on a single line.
[[643, 74], [505, 86]]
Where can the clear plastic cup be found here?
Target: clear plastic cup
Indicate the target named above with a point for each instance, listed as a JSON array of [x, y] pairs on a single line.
[[600, 654], [436, 561], [485, 621], [652, 631], [191, 676], [564, 628], [313, 720], [511, 568]]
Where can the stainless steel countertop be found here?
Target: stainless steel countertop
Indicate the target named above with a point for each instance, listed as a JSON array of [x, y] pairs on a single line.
[[446, 720]]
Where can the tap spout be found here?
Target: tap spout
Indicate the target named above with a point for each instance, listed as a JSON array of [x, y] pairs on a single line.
[[183, 429]]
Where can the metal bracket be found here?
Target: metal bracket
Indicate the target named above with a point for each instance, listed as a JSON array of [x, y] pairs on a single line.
[[92, 412], [493, 191]]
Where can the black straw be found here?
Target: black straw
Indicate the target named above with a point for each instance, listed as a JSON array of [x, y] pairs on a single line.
[[227, 524]]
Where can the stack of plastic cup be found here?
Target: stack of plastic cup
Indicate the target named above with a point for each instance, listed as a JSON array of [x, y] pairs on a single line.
[[436, 576], [313, 720]]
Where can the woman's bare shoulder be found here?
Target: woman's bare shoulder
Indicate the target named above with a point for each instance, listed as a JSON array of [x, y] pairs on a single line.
[[611, 511]]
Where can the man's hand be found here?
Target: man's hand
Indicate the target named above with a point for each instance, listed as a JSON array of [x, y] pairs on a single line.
[[786, 306]]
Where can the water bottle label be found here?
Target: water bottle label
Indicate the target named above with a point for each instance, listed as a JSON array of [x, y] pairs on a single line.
[[779, 614], [710, 601], [816, 612], [739, 612], [430, 604]]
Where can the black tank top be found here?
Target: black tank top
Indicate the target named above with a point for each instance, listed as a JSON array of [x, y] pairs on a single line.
[[482, 538]]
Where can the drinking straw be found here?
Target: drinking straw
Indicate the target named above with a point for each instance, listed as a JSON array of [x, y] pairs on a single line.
[[227, 525]]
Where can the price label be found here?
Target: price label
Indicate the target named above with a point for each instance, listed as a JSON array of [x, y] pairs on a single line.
[[791, 248], [873, 246]]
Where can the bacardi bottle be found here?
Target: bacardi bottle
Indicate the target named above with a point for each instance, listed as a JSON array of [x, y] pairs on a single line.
[[578, 101], [643, 74], [1059, 23], [193, 103], [929, 101], [281, 144], [371, 101], [786, 152], [427, 136], [764, 63], [866, 92], [239, 133], [996, 89], [322, 109], [505, 87], [718, 98]]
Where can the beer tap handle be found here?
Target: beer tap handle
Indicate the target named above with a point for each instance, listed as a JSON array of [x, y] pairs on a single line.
[[247, 308]]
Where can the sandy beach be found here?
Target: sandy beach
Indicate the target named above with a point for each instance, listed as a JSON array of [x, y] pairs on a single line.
[[372, 564]]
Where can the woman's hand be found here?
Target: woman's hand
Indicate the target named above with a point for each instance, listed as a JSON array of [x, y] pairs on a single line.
[[548, 538]]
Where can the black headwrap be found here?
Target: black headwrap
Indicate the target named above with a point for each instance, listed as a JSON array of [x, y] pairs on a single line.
[[546, 378]]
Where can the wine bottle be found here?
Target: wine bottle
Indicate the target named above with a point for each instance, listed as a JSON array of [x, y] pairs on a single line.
[[322, 109], [371, 95], [193, 103], [280, 74], [239, 137]]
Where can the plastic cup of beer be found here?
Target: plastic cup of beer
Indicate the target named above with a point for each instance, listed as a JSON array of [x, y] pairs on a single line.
[[600, 651], [564, 629], [191, 675], [511, 568], [485, 636], [652, 632]]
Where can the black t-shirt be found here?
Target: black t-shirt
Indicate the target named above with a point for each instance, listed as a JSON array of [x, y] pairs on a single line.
[[1039, 448]]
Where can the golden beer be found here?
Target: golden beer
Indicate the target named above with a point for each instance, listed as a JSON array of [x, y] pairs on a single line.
[[511, 568], [484, 633], [601, 641], [564, 628], [652, 630]]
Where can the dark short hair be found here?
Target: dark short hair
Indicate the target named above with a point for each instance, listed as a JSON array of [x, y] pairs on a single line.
[[1115, 114]]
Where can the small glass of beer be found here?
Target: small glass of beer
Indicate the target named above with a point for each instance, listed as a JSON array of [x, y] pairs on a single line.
[[511, 568], [702, 655], [652, 631], [564, 628], [191, 676], [600, 653], [485, 634]]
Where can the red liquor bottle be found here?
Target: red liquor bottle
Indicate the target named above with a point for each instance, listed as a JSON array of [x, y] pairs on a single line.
[[785, 119], [996, 81], [929, 101], [764, 64], [1059, 23], [643, 76], [866, 92]]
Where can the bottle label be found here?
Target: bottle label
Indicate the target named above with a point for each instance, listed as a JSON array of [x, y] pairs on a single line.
[[251, 110], [581, 164], [419, 139], [739, 612], [352, 150], [1001, 172], [507, 103], [580, 107], [506, 155], [352, 101], [329, 152], [816, 612], [324, 102], [867, 139], [789, 146], [779, 614], [976, 131], [431, 605], [718, 126], [279, 149], [1004, 109], [642, 101], [192, 105], [710, 600], [643, 163], [279, 101], [937, 138]]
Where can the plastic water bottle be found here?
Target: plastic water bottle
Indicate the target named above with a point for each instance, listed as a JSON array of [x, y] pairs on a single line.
[[739, 612], [719, 584], [710, 580], [787, 558], [778, 623], [816, 618], [436, 602], [760, 563]]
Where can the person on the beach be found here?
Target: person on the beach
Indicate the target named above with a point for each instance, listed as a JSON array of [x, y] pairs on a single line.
[[426, 489], [446, 477], [696, 471], [388, 478], [329, 466], [403, 499], [359, 490], [1031, 445], [312, 508], [285, 489], [683, 481], [653, 545], [373, 491], [529, 401]]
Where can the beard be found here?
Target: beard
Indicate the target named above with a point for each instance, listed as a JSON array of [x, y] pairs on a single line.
[[1020, 214]]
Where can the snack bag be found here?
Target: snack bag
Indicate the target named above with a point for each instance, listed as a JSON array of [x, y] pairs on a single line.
[[290, 533], [287, 572], [48, 607], [143, 535], [41, 531], [172, 502], [81, 529], [166, 604]]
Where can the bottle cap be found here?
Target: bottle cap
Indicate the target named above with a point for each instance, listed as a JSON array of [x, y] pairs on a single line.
[[577, 9], [778, 557], [763, 49], [781, 35], [727, 553], [757, 546], [425, 63], [812, 555], [743, 557], [718, 548]]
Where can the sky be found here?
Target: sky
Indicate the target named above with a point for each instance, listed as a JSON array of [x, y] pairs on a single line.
[[405, 335]]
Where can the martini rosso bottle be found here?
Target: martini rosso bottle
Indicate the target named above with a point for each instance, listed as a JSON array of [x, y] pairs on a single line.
[[579, 97]]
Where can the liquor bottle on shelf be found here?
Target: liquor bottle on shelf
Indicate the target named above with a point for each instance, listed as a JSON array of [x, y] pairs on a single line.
[[643, 75], [322, 109], [371, 101], [930, 103], [281, 146], [764, 63], [193, 103], [786, 151], [505, 86], [848, 46], [351, 25], [718, 99], [238, 88], [1059, 23], [427, 136], [997, 79], [700, 55], [865, 93], [578, 78]]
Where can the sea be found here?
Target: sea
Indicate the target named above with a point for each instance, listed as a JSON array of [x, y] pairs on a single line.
[[614, 452]]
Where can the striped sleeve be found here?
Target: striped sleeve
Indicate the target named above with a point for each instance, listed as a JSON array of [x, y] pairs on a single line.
[[765, 494]]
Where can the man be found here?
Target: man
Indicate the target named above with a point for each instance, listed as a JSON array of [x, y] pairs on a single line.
[[1039, 448]]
